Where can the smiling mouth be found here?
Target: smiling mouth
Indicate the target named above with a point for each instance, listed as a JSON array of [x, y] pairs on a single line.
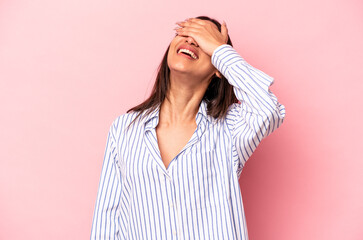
[[188, 53]]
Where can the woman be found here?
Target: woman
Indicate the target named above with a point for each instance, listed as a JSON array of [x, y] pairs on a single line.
[[172, 163]]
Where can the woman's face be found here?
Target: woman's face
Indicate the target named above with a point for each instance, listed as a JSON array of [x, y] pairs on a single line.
[[186, 57]]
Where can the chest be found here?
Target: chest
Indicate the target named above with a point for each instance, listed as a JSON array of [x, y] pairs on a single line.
[[172, 140], [181, 155]]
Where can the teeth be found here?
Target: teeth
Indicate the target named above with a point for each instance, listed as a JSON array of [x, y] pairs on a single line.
[[188, 52]]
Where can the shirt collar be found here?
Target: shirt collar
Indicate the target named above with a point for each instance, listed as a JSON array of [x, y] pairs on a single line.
[[151, 120]]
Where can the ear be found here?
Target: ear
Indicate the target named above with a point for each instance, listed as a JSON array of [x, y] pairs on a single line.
[[219, 74]]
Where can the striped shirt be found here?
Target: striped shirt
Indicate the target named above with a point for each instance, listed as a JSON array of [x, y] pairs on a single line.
[[198, 195]]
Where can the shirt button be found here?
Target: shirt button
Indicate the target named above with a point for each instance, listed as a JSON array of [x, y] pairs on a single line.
[[171, 205], [174, 232]]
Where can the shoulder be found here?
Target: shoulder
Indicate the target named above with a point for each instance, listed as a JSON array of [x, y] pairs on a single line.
[[125, 122], [233, 114], [233, 111]]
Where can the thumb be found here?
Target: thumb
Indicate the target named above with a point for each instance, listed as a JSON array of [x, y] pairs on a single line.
[[224, 31]]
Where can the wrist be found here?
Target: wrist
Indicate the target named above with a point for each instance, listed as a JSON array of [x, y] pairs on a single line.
[[215, 46]]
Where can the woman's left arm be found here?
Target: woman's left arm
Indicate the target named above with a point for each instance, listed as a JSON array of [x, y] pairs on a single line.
[[259, 112], [251, 86]]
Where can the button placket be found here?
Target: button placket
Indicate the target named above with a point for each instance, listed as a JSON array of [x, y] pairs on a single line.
[[173, 203]]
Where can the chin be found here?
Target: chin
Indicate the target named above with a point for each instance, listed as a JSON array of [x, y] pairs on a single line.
[[179, 66]]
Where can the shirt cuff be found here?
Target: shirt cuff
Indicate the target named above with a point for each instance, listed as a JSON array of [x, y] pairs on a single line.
[[224, 56]]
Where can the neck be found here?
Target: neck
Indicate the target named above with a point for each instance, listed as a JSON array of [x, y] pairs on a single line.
[[182, 100]]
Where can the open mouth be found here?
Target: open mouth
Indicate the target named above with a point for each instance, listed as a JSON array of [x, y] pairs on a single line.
[[187, 53]]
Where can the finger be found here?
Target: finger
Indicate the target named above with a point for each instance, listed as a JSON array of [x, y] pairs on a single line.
[[203, 22], [189, 34], [197, 27], [189, 24], [198, 21], [191, 27], [187, 31]]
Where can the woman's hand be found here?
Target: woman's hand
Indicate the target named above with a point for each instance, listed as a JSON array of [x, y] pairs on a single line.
[[204, 32]]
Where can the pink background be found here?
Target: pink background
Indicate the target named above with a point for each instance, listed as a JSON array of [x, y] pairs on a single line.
[[68, 68]]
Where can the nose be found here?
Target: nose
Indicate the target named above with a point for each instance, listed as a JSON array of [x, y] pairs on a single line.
[[191, 41]]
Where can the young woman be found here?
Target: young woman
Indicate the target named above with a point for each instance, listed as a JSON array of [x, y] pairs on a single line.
[[172, 163]]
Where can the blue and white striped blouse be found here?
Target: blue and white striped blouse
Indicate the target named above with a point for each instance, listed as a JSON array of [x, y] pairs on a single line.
[[198, 195]]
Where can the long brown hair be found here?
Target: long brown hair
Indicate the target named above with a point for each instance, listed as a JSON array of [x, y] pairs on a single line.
[[218, 96]]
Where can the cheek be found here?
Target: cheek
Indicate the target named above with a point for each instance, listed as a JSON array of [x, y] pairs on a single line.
[[171, 61], [207, 67]]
